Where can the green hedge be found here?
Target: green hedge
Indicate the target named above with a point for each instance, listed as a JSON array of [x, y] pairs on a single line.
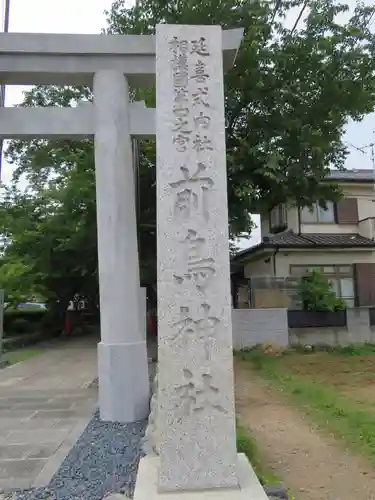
[[22, 322], [26, 321]]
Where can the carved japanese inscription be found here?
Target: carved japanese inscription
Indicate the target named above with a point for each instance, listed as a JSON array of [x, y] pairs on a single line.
[[200, 97], [191, 191], [200, 47], [200, 329], [199, 392], [195, 359], [180, 71], [199, 268]]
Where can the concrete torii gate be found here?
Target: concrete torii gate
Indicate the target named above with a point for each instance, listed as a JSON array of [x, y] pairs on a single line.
[[108, 64]]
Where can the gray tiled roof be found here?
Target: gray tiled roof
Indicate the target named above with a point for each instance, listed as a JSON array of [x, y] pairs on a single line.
[[359, 175], [289, 239]]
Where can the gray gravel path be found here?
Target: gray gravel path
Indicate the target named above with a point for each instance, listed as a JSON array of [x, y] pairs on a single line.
[[104, 460]]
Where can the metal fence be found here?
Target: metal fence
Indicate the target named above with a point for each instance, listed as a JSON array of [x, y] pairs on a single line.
[[270, 291]]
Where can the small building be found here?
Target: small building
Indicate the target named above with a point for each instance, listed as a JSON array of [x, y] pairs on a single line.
[[338, 240]]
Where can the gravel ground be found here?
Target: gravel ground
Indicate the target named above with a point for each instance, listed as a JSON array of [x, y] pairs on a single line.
[[104, 460]]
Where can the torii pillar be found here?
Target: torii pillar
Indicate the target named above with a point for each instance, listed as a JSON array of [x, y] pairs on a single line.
[[122, 352]]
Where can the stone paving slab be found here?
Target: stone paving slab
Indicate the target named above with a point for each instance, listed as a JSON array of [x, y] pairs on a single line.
[[11, 424], [59, 414], [45, 404], [22, 469], [52, 465], [17, 413], [30, 456], [20, 451], [12, 451], [35, 436]]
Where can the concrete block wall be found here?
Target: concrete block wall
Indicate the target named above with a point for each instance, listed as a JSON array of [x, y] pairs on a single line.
[[316, 336], [357, 331], [358, 326], [257, 326]]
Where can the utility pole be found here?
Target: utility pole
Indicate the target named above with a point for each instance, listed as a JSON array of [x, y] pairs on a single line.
[[2, 305], [2, 104], [3, 87], [370, 146], [5, 30], [361, 149]]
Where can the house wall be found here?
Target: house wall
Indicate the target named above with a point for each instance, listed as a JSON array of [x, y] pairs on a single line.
[[259, 267], [357, 206], [293, 219], [366, 228], [293, 224], [264, 225], [284, 259], [329, 228], [243, 297], [366, 208], [263, 266], [365, 195]]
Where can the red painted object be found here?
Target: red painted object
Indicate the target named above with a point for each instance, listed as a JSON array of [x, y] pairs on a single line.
[[73, 320], [68, 325], [152, 324]]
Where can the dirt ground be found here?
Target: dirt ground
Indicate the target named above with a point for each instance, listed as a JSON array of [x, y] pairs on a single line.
[[352, 376], [313, 465]]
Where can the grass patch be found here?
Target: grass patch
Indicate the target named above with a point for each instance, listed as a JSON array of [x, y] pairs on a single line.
[[20, 355], [350, 420], [355, 350], [246, 445]]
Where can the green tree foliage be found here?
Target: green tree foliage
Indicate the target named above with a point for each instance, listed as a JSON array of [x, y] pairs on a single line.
[[315, 293], [51, 229], [287, 101], [289, 95], [13, 280]]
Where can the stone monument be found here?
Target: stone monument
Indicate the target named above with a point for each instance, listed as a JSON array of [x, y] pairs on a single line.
[[194, 419]]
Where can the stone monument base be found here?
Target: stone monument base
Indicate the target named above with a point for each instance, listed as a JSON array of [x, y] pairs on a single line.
[[147, 484], [124, 387]]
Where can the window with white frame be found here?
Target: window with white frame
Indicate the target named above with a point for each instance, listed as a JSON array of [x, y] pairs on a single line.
[[341, 279], [317, 214]]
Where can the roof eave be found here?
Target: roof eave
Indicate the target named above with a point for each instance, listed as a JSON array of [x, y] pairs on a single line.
[[350, 181], [269, 246]]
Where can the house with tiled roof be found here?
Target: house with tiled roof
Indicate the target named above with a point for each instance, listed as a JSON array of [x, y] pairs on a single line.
[[338, 240]]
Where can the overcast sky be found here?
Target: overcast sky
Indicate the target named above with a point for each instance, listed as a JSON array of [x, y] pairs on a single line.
[[87, 16]]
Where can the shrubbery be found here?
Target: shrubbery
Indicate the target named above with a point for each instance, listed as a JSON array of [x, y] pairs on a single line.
[[23, 322], [315, 294]]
